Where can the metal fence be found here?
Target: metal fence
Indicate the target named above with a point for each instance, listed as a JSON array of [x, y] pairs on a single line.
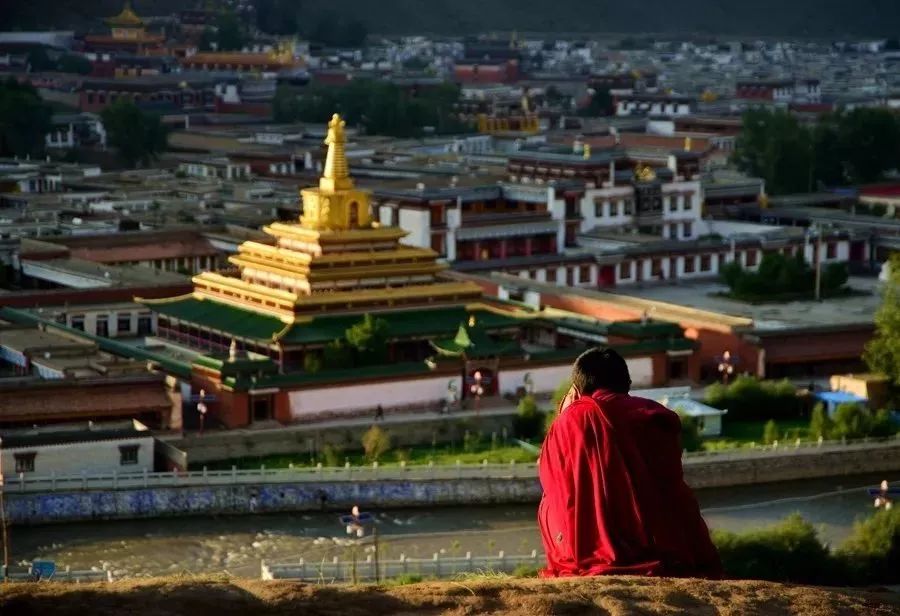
[[24, 482], [438, 566], [65, 575]]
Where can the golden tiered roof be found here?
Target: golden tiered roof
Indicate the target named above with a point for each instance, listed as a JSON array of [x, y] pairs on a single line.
[[126, 19], [336, 259]]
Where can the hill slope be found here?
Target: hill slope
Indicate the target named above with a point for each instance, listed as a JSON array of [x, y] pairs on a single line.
[[831, 18], [221, 596]]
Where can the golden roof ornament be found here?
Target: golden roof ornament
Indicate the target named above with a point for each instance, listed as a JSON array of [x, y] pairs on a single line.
[[126, 18], [336, 175], [587, 151], [688, 142], [644, 173]]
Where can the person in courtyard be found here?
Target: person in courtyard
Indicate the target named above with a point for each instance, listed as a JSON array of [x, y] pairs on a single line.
[[379, 413], [615, 501]]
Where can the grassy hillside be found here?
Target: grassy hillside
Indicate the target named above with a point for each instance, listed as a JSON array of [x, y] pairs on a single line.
[[614, 596], [831, 18]]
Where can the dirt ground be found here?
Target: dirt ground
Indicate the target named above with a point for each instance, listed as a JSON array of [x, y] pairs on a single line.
[[221, 596]]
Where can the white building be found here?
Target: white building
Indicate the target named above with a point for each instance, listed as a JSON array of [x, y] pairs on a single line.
[[70, 449]]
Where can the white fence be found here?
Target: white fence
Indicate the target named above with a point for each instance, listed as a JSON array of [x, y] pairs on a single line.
[[65, 575], [438, 566], [113, 481]]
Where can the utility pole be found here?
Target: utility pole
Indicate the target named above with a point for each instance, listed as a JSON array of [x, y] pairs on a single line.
[[818, 265], [3, 527]]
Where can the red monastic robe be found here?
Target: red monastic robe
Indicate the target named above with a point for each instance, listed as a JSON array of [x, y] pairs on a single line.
[[615, 501]]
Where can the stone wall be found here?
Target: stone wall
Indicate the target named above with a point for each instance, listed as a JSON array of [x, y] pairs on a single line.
[[311, 438], [712, 472]]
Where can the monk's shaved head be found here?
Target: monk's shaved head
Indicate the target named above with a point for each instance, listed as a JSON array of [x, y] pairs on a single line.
[[600, 369]]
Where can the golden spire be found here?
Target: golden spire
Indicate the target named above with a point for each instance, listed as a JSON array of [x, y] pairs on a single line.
[[587, 151], [644, 173], [688, 142], [127, 18], [336, 175]]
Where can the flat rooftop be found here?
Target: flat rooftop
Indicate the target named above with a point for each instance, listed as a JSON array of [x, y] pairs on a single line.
[[853, 310]]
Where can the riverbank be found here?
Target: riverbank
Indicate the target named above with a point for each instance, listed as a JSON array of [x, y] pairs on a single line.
[[54, 499], [222, 596]]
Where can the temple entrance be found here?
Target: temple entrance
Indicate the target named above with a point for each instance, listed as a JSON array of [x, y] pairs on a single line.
[[262, 408], [608, 276]]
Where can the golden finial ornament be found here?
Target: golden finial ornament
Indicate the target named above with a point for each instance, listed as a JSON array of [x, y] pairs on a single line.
[[587, 151], [644, 173], [688, 142]]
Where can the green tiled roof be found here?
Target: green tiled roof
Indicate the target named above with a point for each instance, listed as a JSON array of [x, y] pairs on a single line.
[[400, 324], [221, 317]]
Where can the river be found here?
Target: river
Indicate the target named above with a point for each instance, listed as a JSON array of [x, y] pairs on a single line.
[[237, 544]]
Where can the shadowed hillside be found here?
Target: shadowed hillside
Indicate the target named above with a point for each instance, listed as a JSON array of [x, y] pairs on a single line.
[[830, 18], [222, 596]]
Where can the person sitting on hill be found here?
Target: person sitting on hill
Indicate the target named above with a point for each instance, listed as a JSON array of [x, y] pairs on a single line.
[[615, 501]]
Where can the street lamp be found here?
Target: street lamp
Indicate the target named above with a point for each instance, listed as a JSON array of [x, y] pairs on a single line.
[[356, 524], [883, 494], [726, 366], [201, 409], [815, 232], [477, 389], [3, 528]]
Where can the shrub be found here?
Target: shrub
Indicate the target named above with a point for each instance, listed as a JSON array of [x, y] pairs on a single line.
[[337, 356], [376, 442], [788, 552], [820, 424], [690, 433], [850, 421], [872, 552], [332, 455], [525, 571], [312, 363], [529, 420], [770, 432], [748, 398]]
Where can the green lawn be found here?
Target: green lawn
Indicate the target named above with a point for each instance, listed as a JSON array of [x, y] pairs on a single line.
[[745, 433], [441, 455]]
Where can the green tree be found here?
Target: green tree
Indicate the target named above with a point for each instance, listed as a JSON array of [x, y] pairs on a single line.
[[690, 432], [376, 442], [312, 363], [368, 339], [868, 141], [872, 551], [773, 145], [851, 421], [601, 104], [74, 63], [820, 425], [277, 16], [337, 356], [24, 119], [39, 60], [882, 353], [229, 33], [139, 137], [770, 432], [529, 420]]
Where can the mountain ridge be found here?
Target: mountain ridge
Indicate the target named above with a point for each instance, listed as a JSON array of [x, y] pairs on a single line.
[[799, 19]]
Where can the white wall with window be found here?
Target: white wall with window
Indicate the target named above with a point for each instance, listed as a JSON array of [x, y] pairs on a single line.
[[126, 455]]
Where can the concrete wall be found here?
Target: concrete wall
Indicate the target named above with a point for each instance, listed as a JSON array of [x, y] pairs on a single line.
[[713, 472], [355, 397]]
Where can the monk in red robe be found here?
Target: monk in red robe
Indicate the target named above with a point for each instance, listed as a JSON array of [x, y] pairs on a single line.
[[615, 501]]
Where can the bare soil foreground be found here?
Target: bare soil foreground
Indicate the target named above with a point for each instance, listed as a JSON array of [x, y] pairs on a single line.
[[220, 596]]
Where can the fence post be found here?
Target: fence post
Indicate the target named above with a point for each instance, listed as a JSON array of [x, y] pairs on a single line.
[[437, 565], [146, 479], [469, 567], [349, 470], [233, 473], [205, 475], [403, 564], [375, 469], [534, 556], [302, 569], [431, 469], [53, 480], [502, 557], [115, 480], [319, 469], [21, 482], [83, 480], [512, 468], [459, 469]]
